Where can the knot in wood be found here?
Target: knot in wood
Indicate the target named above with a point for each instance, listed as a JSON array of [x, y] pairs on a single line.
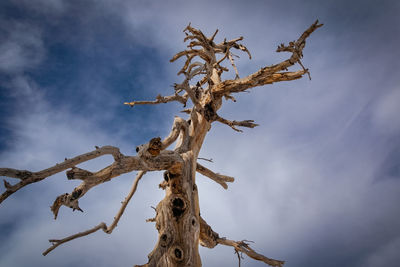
[[178, 207], [77, 173], [169, 176], [155, 146], [76, 194], [197, 91], [165, 240], [209, 112], [176, 253]]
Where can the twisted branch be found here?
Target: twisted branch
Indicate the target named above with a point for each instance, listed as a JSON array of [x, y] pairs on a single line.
[[271, 74], [148, 159], [207, 51], [28, 177], [180, 126]]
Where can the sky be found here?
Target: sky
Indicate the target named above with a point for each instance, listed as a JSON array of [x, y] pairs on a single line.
[[316, 184]]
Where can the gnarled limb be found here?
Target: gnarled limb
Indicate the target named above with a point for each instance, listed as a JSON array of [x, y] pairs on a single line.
[[89, 180], [219, 178], [190, 90], [147, 151], [180, 126], [208, 52], [102, 225], [209, 238], [261, 77], [271, 74], [123, 164], [28, 177]]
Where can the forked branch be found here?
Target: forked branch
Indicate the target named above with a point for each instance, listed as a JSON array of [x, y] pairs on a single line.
[[180, 127], [28, 177], [206, 49], [274, 73], [148, 159], [102, 225]]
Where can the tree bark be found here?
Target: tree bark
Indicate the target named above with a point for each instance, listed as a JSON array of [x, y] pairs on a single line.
[[177, 219]]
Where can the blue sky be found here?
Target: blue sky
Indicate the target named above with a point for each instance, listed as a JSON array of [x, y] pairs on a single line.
[[317, 183]]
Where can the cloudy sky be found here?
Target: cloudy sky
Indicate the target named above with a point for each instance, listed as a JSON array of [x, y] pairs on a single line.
[[317, 183]]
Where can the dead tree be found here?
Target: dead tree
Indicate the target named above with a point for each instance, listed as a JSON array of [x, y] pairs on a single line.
[[180, 227]]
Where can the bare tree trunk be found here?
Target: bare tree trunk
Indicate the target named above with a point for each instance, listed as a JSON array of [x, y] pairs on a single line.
[[178, 214], [177, 220]]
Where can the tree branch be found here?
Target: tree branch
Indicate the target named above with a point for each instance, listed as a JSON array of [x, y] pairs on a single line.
[[161, 99], [28, 177], [190, 90], [102, 225], [244, 247], [180, 126], [232, 124], [233, 65], [262, 77], [150, 157], [219, 178], [57, 242], [207, 51], [209, 238], [145, 161], [271, 74]]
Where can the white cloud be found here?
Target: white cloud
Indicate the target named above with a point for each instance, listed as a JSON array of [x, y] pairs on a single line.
[[387, 254], [386, 112], [22, 47]]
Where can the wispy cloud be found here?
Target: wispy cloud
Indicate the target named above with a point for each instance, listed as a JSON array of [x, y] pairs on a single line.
[[21, 48]]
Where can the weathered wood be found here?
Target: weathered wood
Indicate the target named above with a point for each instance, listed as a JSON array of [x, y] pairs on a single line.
[[177, 220]]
